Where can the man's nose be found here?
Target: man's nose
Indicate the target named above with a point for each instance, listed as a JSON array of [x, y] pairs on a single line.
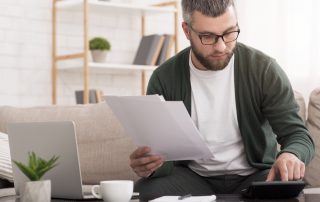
[[219, 45]]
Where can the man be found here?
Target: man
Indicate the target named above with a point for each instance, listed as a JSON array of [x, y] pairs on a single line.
[[240, 100]]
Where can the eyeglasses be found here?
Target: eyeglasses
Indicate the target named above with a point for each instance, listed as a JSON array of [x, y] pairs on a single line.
[[210, 38]]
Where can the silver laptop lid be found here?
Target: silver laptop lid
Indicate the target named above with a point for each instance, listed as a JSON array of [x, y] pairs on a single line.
[[47, 139]]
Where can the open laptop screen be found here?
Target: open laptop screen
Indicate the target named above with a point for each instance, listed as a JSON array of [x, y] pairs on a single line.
[[47, 139]]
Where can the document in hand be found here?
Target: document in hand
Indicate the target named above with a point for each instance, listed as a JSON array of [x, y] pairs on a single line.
[[165, 126], [189, 199]]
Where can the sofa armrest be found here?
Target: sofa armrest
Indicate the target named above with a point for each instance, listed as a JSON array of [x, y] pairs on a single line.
[[313, 124], [302, 105]]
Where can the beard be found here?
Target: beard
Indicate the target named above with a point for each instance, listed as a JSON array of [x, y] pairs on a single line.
[[210, 63]]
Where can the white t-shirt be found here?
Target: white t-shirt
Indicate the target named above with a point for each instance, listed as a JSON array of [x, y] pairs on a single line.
[[213, 110]]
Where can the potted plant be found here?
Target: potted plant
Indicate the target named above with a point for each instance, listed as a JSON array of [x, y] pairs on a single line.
[[99, 47], [37, 190]]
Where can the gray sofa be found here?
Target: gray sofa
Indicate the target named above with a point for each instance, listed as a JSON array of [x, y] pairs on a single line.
[[104, 147]]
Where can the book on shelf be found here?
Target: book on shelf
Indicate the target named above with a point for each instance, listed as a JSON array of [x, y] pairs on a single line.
[[149, 50], [166, 49], [95, 96]]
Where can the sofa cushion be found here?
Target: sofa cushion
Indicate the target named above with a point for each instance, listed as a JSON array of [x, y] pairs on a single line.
[[104, 148], [313, 124]]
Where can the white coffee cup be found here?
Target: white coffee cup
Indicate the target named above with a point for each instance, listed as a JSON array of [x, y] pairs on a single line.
[[113, 190]]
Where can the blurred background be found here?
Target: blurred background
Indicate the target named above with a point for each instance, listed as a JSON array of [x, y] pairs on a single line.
[[287, 30]]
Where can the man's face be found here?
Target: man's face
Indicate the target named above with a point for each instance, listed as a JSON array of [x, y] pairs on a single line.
[[216, 56]]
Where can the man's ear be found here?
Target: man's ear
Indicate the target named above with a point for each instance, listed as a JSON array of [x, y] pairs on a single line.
[[186, 30]]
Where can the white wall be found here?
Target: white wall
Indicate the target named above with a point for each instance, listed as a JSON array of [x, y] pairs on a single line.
[[25, 50], [287, 30]]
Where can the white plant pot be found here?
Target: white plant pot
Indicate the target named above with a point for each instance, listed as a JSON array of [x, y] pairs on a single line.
[[37, 191], [99, 56]]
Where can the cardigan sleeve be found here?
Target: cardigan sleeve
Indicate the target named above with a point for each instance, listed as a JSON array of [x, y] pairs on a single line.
[[281, 110]]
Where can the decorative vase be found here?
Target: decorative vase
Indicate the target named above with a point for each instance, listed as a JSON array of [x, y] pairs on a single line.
[[99, 55], [37, 191]]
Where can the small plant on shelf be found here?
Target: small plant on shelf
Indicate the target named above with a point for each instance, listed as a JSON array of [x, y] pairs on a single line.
[[99, 43], [99, 47]]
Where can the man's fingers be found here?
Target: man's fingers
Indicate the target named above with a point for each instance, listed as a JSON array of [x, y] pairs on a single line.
[[302, 170], [287, 167], [144, 174], [297, 172], [149, 167], [278, 170], [141, 151], [271, 175], [144, 164], [147, 170], [283, 171], [144, 161], [290, 168]]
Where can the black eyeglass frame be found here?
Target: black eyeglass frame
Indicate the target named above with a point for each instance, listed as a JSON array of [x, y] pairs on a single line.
[[215, 36]]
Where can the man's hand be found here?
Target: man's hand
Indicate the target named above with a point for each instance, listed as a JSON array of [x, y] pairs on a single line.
[[287, 167], [144, 164]]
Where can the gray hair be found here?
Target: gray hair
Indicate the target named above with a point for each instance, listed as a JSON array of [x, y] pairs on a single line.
[[213, 8]]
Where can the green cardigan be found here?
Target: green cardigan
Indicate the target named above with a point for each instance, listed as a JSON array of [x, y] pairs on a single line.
[[266, 109]]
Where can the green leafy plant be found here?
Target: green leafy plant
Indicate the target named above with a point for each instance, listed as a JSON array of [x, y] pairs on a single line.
[[37, 166], [99, 43]]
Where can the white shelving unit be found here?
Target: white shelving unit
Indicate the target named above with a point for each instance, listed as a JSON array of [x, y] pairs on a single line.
[[140, 9], [170, 7], [113, 66]]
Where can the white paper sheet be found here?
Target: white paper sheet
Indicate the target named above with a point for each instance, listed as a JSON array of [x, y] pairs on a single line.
[[165, 126], [189, 199]]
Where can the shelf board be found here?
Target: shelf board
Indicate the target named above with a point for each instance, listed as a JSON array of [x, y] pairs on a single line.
[[109, 5], [113, 66]]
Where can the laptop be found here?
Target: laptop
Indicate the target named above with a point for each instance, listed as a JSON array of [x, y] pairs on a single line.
[[47, 139]]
